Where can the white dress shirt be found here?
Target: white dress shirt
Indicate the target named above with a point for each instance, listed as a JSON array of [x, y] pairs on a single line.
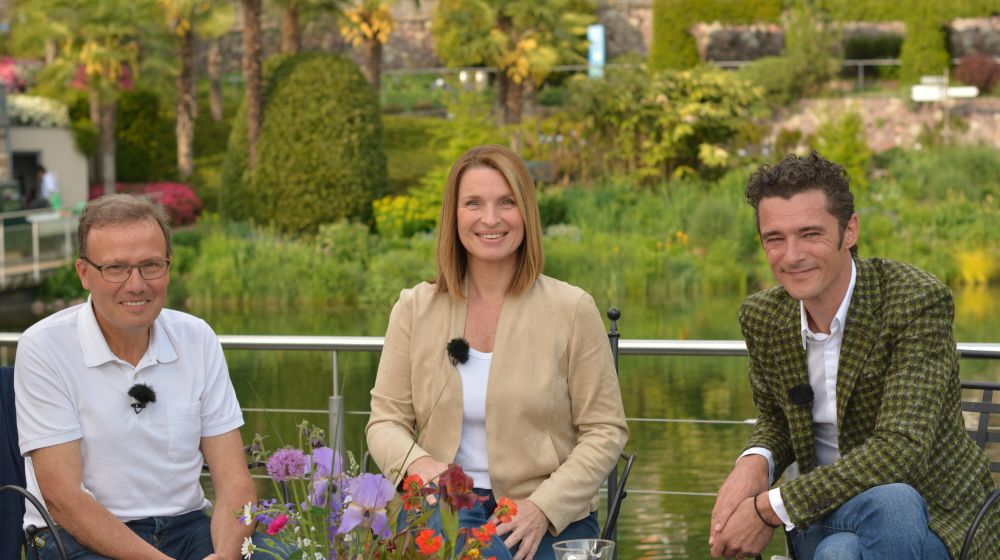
[[822, 359]]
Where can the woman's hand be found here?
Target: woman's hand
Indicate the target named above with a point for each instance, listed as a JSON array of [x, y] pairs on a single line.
[[526, 529], [428, 469]]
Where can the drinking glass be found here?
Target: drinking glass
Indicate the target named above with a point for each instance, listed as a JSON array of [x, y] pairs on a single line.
[[584, 549]]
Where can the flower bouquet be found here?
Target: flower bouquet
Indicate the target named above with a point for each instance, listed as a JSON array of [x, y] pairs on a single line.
[[328, 510]]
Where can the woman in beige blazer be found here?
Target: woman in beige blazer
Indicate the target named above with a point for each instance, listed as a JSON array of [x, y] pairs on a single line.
[[534, 413]]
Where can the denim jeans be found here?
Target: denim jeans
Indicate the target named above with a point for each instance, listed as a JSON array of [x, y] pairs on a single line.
[[885, 522], [186, 536], [480, 513]]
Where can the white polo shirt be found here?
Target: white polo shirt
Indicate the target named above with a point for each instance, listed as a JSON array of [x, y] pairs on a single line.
[[70, 386]]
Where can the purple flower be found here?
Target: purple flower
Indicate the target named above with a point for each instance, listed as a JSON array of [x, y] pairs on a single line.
[[326, 466], [286, 464], [370, 493]]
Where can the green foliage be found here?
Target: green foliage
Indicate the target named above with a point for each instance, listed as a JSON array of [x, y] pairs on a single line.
[[146, 141], [843, 140], [809, 61], [62, 284], [934, 208], [523, 38], [672, 44], [866, 47], [924, 51], [419, 209], [320, 154], [662, 125], [412, 148]]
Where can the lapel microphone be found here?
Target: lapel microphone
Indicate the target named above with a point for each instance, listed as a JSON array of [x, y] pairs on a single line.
[[143, 394], [801, 394], [458, 351]]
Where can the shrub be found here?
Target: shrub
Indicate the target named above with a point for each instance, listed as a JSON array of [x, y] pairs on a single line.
[[28, 110], [923, 51], [181, 203], [662, 125], [842, 140], [672, 44], [867, 47], [978, 70], [146, 139], [320, 154], [810, 58]]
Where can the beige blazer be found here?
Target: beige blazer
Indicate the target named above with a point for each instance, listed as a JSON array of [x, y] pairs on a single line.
[[555, 424]]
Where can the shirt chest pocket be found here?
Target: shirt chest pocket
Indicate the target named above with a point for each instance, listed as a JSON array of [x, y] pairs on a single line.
[[184, 429]]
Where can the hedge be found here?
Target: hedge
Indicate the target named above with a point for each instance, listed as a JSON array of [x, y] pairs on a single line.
[[320, 155]]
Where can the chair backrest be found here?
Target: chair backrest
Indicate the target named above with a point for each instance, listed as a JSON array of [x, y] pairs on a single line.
[[615, 497], [11, 470], [984, 405]]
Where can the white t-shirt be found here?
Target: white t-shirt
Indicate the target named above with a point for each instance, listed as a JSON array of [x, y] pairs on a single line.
[[70, 386], [472, 447]]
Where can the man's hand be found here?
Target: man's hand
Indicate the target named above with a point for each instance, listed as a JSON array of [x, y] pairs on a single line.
[[233, 488], [749, 478], [526, 529], [745, 534]]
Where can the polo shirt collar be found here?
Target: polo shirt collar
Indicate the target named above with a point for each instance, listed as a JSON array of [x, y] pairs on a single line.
[[96, 351]]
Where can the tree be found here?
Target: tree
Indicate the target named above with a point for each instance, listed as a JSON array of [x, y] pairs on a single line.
[[184, 18], [368, 26], [98, 51], [523, 39], [252, 75]]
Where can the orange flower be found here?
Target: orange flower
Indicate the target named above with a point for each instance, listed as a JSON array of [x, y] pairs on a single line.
[[412, 495], [485, 534], [428, 542], [506, 509]]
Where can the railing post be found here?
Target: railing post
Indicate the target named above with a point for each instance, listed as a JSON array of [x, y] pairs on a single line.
[[36, 270], [67, 240], [3, 256], [613, 336], [335, 436]]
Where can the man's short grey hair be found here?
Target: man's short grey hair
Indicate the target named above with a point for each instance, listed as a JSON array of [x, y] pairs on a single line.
[[119, 210]]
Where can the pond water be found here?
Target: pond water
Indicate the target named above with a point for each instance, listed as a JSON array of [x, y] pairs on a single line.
[[671, 456]]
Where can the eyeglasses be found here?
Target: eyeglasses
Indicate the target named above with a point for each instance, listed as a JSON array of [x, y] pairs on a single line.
[[118, 273]]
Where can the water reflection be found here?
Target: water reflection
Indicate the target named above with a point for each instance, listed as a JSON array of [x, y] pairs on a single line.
[[671, 456]]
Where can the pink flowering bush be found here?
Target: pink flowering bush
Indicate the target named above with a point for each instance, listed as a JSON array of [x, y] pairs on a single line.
[[181, 203]]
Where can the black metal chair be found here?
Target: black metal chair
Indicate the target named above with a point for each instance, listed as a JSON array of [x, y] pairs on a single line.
[[984, 436], [610, 531], [13, 492]]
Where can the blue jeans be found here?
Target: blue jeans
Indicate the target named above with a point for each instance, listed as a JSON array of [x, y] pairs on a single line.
[[187, 536], [480, 513], [885, 522]]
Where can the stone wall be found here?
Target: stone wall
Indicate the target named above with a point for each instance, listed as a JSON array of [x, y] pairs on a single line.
[[893, 121], [628, 27], [974, 35]]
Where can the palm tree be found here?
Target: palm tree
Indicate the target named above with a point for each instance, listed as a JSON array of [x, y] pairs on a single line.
[[98, 51], [252, 74]]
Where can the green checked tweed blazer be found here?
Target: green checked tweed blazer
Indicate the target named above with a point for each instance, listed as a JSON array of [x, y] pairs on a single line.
[[898, 402]]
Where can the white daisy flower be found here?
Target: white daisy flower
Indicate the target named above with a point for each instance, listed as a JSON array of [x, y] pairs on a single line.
[[248, 514], [246, 551]]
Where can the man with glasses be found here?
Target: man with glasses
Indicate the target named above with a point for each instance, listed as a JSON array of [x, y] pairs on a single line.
[[120, 402]]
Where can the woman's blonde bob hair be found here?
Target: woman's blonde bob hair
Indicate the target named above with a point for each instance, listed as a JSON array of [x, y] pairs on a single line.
[[452, 258]]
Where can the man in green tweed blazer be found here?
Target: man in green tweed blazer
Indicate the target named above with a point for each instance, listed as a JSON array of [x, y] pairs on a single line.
[[854, 370]]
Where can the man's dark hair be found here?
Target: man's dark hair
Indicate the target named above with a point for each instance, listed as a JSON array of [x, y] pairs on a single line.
[[794, 175]]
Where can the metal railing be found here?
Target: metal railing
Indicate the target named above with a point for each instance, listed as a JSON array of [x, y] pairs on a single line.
[[45, 222]]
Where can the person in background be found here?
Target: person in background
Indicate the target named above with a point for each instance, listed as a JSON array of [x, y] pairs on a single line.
[[48, 187], [500, 369]]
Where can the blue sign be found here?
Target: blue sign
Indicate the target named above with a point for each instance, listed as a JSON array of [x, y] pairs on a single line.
[[595, 54]]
